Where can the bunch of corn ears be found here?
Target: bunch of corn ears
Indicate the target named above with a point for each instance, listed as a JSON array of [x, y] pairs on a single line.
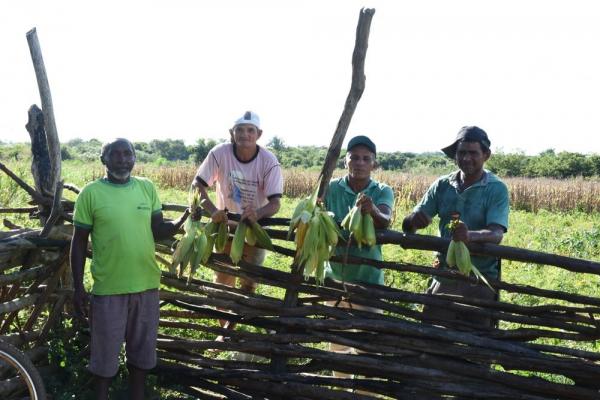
[[458, 256], [251, 233], [317, 234], [192, 249], [361, 226]]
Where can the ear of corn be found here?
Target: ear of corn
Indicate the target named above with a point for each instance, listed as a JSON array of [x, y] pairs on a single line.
[[368, 230], [331, 229], [222, 237], [250, 236], [237, 245], [361, 227], [458, 256], [262, 238], [317, 234], [451, 255], [210, 230], [199, 249], [184, 246]]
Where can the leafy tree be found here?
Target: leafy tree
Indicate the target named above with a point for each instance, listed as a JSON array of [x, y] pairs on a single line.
[[201, 149], [170, 149], [276, 144], [515, 164]]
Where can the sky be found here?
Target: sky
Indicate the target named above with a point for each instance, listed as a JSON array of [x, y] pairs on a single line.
[[526, 71]]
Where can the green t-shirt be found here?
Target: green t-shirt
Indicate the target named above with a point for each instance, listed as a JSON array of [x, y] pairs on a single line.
[[480, 205], [119, 218], [340, 199]]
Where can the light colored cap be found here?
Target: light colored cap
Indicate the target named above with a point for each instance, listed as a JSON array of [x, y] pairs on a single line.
[[249, 117]]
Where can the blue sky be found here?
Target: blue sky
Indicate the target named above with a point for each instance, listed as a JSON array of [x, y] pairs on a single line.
[[528, 72]]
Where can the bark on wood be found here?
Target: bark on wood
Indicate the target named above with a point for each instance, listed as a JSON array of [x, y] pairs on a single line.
[[41, 168], [423, 242], [18, 304], [56, 212], [18, 210], [47, 107]]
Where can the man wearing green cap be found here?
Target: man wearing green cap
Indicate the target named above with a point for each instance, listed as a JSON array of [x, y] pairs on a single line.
[[373, 198], [480, 200]]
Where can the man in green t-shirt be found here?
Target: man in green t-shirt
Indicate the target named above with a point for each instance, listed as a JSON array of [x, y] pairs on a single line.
[[123, 216], [374, 198], [481, 201]]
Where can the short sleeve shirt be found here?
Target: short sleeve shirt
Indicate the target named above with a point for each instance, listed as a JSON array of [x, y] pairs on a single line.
[[484, 203], [340, 199], [241, 183], [119, 218]]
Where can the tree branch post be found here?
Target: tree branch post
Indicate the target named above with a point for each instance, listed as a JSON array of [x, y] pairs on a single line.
[[47, 107]]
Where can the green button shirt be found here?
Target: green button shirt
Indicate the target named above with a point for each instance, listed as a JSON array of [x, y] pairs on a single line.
[[480, 205], [340, 199]]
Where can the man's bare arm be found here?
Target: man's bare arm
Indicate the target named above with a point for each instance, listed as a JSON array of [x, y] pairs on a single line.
[[162, 229]]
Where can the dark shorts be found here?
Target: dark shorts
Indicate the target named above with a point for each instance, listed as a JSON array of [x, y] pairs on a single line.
[[130, 318], [445, 316]]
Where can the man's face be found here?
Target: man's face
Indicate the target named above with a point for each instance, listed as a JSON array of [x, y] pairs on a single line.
[[120, 160], [360, 161], [245, 135], [470, 157]]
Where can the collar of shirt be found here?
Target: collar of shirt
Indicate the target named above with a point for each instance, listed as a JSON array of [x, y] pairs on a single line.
[[455, 181], [345, 184]]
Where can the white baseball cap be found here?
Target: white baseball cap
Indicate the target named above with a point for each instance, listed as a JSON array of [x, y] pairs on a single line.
[[249, 117]]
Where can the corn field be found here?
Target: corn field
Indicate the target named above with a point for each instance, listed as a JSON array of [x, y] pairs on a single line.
[[527, 194]]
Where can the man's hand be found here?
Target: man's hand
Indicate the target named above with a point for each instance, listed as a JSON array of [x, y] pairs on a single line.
[[219, 216], [250, 215], [365, 203], [81, 302], [461, 232], [414, 221]]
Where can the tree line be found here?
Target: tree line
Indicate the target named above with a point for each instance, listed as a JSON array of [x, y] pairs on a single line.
[[548, 163]]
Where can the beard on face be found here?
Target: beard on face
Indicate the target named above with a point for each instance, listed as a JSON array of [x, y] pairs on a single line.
[[122, 175]]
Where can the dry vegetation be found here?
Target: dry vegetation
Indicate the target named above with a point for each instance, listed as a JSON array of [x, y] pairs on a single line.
[[528, 194]]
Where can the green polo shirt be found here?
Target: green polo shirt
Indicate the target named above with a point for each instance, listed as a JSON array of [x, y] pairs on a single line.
[[480, 205], [119, 218], [340, 199]]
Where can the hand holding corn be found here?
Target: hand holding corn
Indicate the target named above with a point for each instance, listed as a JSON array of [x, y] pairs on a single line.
[[360, 223], [191, 248], [458, 255]]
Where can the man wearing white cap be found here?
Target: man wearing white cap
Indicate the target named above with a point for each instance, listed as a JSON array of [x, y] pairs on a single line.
[[248, 182]]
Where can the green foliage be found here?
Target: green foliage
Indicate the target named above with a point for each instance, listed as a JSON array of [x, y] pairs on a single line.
[[548, 163], [84, 150], [301, 157], [514, 164], [201, 149], [170, 149], [276, 144], [15, 151]]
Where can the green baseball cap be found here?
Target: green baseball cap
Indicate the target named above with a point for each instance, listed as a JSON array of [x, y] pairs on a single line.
[[362, 141]]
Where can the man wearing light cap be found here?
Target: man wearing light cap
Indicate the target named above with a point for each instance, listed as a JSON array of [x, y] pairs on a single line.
[[373, 198], [480, 200], [248, 182]]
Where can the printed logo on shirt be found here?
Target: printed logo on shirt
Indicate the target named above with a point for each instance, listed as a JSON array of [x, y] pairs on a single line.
[[242, 191], [143, 206]]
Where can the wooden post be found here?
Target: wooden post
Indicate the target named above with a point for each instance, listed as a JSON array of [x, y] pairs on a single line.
[[278, 363], [356, 90], [48, 109]]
